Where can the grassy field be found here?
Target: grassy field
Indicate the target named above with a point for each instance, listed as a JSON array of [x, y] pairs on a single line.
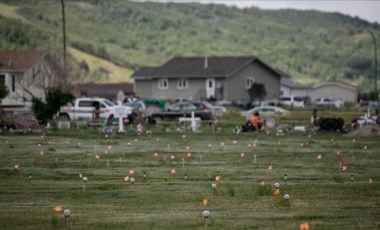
[[321, 193]]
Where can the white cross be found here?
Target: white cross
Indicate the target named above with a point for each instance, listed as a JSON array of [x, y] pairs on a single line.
[[194, 120], [121, 112]]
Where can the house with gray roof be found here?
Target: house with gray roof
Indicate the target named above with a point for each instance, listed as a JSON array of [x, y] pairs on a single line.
[[232, 78], [290, 87]]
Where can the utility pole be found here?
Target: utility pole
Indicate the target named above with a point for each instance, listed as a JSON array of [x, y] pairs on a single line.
[[375, 59], [64, 38]]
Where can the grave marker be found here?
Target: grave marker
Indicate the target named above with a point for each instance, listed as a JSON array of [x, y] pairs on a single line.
[[121, 112]]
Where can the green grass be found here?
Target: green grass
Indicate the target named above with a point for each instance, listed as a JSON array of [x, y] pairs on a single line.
[[319, 192]]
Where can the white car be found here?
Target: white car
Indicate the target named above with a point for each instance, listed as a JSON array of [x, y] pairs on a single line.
[[266, 111], [216, 110], [329, 102], [292, 101]]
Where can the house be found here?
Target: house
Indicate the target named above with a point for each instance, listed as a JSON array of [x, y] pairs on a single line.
[[334, 90], [290, 87], [27, 74], [110, 91], [239, 78]]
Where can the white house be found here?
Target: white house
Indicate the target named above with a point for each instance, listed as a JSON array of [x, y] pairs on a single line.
[[335, 90], [27, 74]]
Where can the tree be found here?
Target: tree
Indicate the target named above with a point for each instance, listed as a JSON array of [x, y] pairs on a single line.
[[55, 98], [46, 73], [257, 92]]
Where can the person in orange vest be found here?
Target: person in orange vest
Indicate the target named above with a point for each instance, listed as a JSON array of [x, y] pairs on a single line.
[[255, 121], [253, 124]]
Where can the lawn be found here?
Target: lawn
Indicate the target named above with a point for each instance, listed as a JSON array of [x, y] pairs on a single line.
[[322, 192]]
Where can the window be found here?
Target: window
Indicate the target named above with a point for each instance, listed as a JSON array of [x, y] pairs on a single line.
[[182, 83], [163, 84], [249, 82], [285, 98], [298, 99], [86, 104], [13, 83], [2, 80]]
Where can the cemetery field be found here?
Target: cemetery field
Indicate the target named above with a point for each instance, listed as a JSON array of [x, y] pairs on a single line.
[[332, 181]]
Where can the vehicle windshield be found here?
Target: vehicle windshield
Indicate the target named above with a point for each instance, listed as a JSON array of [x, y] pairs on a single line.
[[285, 99], [109, 103]]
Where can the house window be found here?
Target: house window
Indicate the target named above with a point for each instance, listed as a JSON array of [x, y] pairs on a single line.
[[182, 83], [249, 82], [13, 83], [2, 80], [163, 84]]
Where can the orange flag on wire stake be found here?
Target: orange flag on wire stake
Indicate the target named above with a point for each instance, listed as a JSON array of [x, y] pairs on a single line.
[[276, 192], [304, 226], [205, 202], [58, 208], [217, 178]]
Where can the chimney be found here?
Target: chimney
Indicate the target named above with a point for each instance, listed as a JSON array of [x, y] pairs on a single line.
[[206, 63]]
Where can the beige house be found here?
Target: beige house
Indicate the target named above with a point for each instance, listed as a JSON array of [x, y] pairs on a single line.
[[334, 90], [236, 78], [27, 74]]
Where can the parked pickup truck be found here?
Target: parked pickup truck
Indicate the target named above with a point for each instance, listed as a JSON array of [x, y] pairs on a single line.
[[89, 108]]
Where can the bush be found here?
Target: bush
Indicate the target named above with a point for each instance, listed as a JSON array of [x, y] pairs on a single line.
[[55, 98]]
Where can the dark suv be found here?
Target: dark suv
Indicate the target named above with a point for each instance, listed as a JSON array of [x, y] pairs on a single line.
[[184, 109]]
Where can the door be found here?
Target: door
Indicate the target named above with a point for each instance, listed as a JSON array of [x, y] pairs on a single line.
[[210, 88]]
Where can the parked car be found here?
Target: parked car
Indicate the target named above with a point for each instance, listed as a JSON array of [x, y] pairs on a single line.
[[258, 103], [223, 103], [329, 102], [371, 105], [216, 110], [182, 109], [136, 105], [293, 101], [265, 111], [242, 103]]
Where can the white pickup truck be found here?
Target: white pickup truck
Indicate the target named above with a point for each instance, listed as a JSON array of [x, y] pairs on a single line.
[[85, 109]]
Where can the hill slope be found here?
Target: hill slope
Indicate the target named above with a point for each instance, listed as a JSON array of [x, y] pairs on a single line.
[[309, 45]]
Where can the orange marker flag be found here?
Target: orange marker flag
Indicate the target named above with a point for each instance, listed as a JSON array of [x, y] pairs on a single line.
[[217, 178], [276, 192], [58, 208], [304, 226], [205, 202], [126, 178]]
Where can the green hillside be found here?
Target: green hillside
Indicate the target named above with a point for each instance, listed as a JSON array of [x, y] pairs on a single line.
[[311, 46]]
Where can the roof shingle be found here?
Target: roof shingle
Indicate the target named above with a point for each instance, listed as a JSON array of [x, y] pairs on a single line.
[[200, 67], [19, 60]]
